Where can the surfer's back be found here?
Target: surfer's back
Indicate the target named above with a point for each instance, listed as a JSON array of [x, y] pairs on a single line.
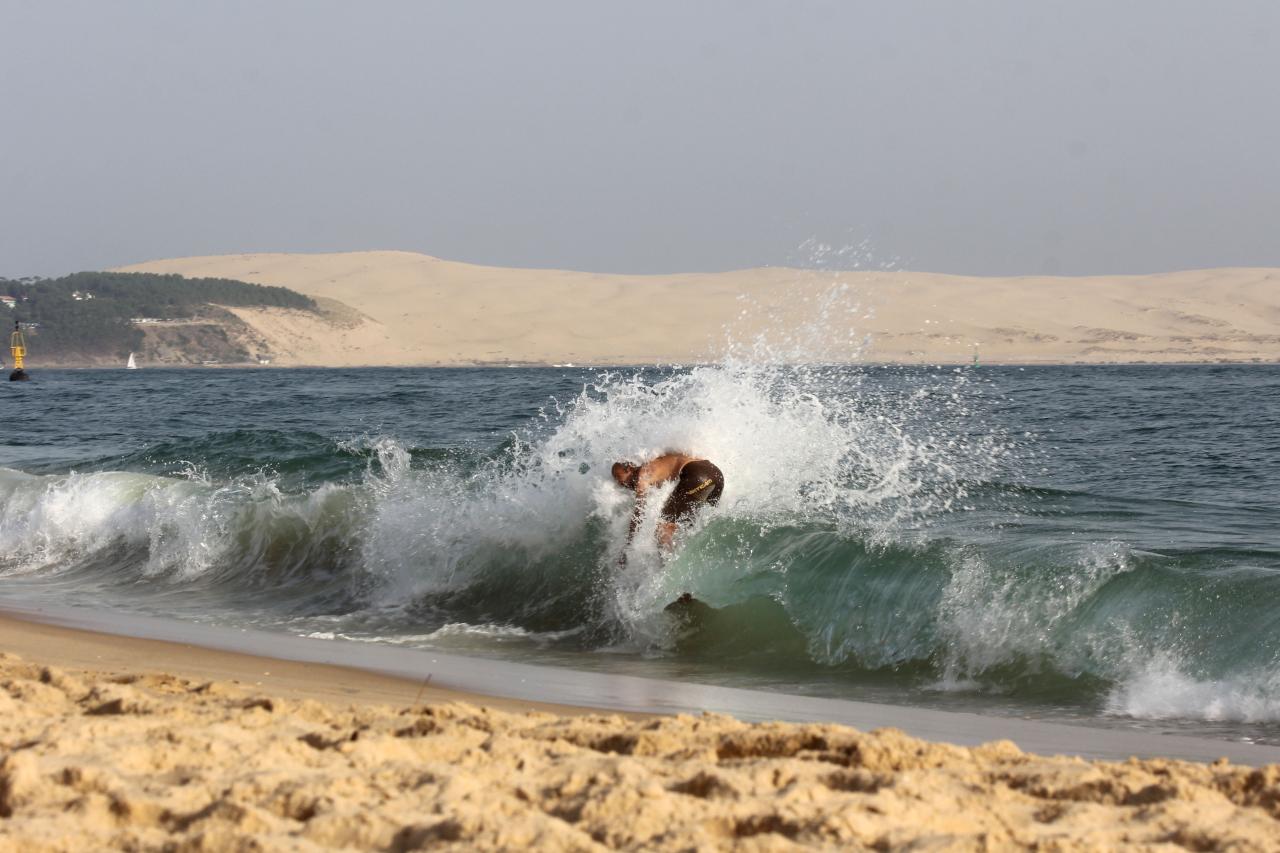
[[664, 467]]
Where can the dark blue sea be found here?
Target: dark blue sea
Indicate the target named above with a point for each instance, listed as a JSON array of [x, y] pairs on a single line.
[[1097, 544]]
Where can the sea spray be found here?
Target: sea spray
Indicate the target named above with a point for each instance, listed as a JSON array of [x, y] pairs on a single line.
[[797, 440], [1160, 690]]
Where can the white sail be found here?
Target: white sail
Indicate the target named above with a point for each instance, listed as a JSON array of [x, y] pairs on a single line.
[[132, 365]]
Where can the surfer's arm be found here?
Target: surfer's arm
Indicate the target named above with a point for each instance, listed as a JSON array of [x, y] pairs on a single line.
[[653, 473], [637, 511]]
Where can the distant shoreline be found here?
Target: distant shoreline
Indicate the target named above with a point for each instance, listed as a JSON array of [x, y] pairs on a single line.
[[497, 365], [407, 309]]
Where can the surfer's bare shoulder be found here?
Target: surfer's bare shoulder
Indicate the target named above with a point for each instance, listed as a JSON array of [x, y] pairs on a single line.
[[661, 469]]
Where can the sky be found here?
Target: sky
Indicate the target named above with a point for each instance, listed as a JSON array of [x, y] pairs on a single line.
[[978, 137]]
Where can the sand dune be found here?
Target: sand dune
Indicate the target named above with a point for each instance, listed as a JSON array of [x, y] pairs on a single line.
[[391, 308]]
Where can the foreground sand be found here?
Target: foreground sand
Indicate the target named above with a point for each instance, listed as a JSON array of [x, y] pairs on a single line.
[[127, 757], [402, 308]]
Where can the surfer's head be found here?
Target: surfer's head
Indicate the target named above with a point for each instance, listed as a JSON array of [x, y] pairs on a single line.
[[626, 474]]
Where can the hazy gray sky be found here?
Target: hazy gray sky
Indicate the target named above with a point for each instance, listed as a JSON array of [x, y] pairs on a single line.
[[974, 137]]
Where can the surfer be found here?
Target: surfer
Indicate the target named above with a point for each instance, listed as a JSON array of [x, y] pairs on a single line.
[[698, 481]]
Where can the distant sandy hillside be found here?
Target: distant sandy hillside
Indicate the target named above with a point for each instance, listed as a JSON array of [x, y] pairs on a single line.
[[401, 308]]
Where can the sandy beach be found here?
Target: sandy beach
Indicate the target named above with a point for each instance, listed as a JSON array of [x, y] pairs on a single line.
[[111, 742], [669, 427], [402, 308]]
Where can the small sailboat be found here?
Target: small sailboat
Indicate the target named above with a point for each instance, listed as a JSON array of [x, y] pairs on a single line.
[[131, 364]]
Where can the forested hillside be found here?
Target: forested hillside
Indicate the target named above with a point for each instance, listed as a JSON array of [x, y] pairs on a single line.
[[102, 316]]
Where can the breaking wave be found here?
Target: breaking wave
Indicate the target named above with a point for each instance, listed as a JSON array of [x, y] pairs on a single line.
[[875, 528]]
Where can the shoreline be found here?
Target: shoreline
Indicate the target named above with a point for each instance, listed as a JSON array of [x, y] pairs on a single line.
[[118, 755], [530, 365], [317, 669], [402, 308], [56, 643]]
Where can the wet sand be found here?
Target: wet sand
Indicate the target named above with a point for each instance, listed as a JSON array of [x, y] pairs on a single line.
[[128, 743]]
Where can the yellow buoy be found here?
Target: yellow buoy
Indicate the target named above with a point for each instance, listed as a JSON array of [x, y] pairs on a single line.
[[17, 346]]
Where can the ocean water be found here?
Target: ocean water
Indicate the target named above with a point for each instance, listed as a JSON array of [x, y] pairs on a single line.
[[1097, 544]]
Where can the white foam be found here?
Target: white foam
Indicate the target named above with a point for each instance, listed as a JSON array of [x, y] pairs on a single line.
[[1160, 690], [449, 631], [184, 528]]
